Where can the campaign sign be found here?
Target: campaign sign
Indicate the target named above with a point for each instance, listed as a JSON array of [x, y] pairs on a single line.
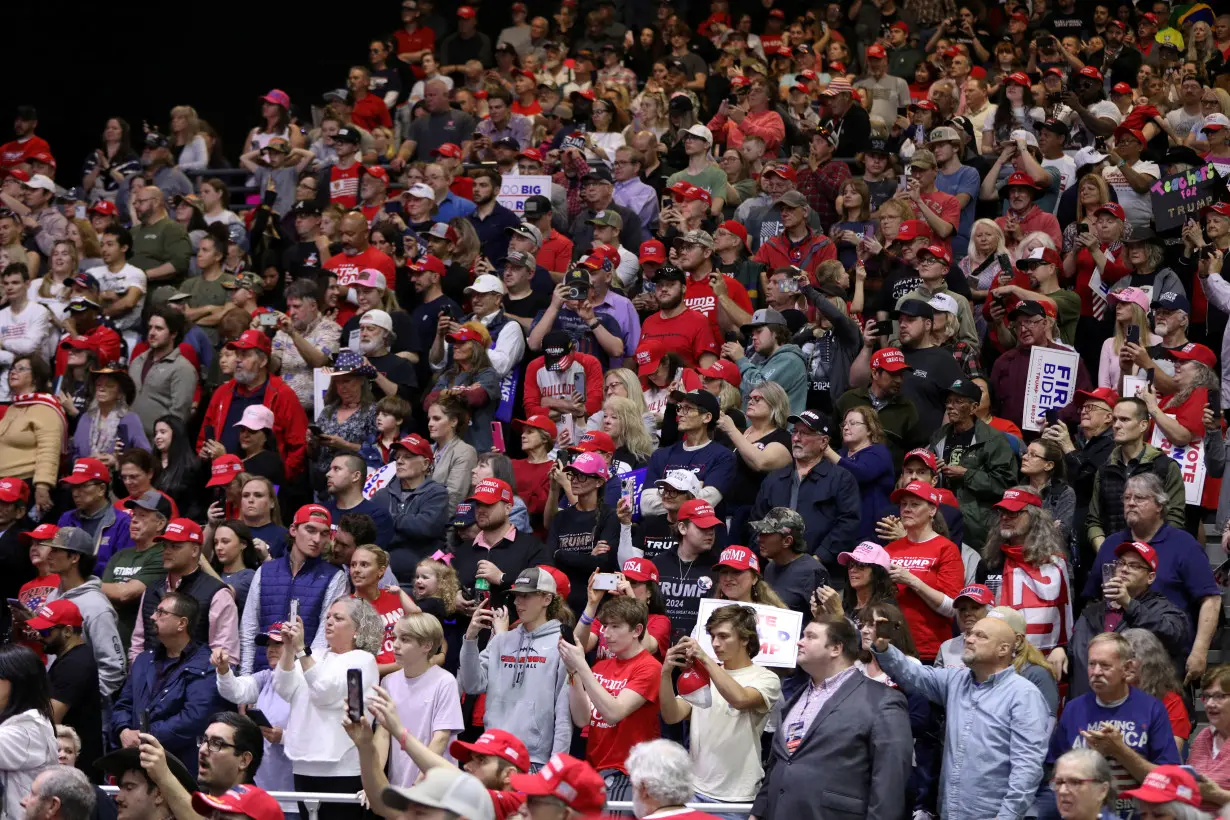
[[779, 631], [379, 479], [516, 189], [1051, 383], [1191, 463], [1180, 197], [634, 480], [1134, 386]]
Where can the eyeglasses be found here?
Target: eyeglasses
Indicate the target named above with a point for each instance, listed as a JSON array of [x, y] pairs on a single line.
[[623, 162], [686, 410], [1214, 697], [755, 397], [853, 423], [215, 744], [1032, 321], [670, 491], [166, 612], [1070, 782]]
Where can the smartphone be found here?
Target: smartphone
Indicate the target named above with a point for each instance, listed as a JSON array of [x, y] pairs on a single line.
[[80, 212], [628, 488], [314, 429], [354, 695], [903, 111], [1133, 334], [1052, 416], [606, 581], [789, 286], [143, 717], [209, 432], [258, 717], [568, 637], [294, 609], [732, 99], [667, 201], [497, 436], [1149, 377], [1083, 227], [884, 327], [268, 320], [16, 604], [1215, 400]]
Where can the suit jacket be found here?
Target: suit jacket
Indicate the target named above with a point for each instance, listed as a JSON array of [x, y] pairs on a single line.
[[853, 762]]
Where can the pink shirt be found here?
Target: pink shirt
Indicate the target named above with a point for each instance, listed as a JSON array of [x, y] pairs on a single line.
[[429, 703]]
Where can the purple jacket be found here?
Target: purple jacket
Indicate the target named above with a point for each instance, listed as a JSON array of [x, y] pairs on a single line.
[[111, 536]]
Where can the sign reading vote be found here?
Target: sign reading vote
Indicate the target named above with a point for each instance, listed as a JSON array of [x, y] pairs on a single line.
[[515, 190], [1180, 197], [1190, 459], [779, 631]]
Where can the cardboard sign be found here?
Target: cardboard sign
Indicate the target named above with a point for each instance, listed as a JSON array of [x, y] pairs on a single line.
[[516, 189], [1179, 197], [1051, 383], [779, 632], [1191, 462], [379, 479]]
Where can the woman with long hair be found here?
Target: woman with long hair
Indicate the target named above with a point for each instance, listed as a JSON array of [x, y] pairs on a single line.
[[868, 582], [236, 558], [1180, 416], [85, 239], [108, 426], [1154, 674], [740, 580], [866, 456], [607, 122], [636, 580], [651, 115], [532, 474], [884, 619], [470, 377], [215, 207], [187, 145], [1092, 192], [1044, 470], [1097, 250], [925, 75], [576, 534], [258, 450], [348, 417], [738, 177], [54, 288], [981, 265], [1200, 48], [624, 422], [467, 248], [180, 471], [620, 381], [755, 114], [1030, 663], [368, 563], [77, 383], [854, 221], [761, 448], [190, 214], [1014, 109], [27, 737], [646, 50], [275, 122], [111, 163], [1132, 307], [455, 459], [34, 429]]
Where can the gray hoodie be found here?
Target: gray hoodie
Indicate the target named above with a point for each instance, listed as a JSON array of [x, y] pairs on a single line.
[[102, 633], [526, 685], [786, 365], [27, 748]]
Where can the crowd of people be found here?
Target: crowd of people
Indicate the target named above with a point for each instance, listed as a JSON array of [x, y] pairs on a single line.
[[633, 404]]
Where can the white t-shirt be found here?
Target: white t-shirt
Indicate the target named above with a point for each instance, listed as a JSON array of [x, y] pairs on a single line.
[[1066, 166], [119, 282], [30, 331], [1136, 206], [58, 301], [1184, 123], [721, 736]]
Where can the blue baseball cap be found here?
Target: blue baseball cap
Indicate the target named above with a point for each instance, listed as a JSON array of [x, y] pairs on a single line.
[[464, 516], [1170, 300]]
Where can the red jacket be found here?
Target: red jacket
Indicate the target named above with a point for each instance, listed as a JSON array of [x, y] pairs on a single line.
[[289, 421], [808, 254], [534, 374], [106, 342]]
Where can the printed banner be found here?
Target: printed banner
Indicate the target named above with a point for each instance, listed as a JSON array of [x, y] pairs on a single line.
[[779, 632], [1134, 386], [1179, 197], [1051, 383], [508, 396], [1191, 463], [320, 386], [379, 479], [637, 479], [1040, 594], [516, 189]]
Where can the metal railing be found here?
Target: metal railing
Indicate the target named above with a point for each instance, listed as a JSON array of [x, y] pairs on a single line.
[[312, 801]]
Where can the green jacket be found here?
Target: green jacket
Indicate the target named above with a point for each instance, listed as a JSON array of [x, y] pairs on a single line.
[[991, 468], [164, 241], [899, 418]]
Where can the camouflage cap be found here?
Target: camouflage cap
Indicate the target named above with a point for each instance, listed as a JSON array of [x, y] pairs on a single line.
[[779, 519], [248, 281]]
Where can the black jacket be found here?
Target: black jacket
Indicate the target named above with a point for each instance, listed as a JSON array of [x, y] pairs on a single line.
[[522, 552], [1152, 611], [828, 500]]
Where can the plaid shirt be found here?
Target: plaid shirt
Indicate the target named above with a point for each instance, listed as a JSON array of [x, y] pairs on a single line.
[[619, 76], [967, 358], [821, 187]]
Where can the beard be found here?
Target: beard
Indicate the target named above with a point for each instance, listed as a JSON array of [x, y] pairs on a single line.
[[244, 377], [665, 304], [367, 348]]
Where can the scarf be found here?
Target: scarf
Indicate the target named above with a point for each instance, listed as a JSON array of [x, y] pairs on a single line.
[[1041, 594], [45, 400]]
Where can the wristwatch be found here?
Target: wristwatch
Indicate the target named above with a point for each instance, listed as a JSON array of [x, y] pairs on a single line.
[[305, 652]]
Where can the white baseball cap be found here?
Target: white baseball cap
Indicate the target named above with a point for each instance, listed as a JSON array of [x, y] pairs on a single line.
[[377, 317], [1022, 134], [1217, 120], [43, 182], [486, 283], [685, 481], [701, 131], [421, 190], [1088, 156], [944, 303]]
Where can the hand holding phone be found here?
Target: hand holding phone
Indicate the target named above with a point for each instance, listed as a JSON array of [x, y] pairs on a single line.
[[354, 695]]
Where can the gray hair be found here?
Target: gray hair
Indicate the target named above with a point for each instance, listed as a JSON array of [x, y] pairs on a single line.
[[1043, 541], [664, 769], [1154, 673], [1149, 484], [1094, 765], [1122, 645], [1178, 810], [775, 396], [72, 788], [368, 625]]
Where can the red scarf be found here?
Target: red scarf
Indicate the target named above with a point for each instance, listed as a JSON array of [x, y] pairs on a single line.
[[46, 400], [1040, 594]]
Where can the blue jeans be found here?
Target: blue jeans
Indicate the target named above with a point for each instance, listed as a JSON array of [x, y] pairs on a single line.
[[700, 798]]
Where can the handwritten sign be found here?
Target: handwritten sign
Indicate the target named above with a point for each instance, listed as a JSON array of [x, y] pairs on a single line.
[[1190, 460], [1051, 383], [779, 631], [1179, 197], [516, 189]]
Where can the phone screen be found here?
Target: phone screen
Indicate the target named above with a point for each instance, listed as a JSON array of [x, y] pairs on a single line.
[[497, 436], [294, 609], [354, 694]]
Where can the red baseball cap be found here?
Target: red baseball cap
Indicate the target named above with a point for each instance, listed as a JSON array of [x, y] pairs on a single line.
[[532, 153], [43, 532], [875, 51], [1134, 133], [250, 801], [1102, 394], [912, 229], [181, 530], [251, 340], [1140, 548], [977, 593], [1121, 88], [492, 491], [640, 569], [1119, 24], [13, 489], [467, 13], [925, 456], [313, 514], [782, 170], [1112, 208], [223, 470], [540, 421], [1151, 17], [725, 370], [699, 512], [59, 612], [104, 207], [448, 149], [88, 469], [429, 264], [1021, 179], [1017, 78], [1166, 784], [1019, 16], [278, 97], [652, 251], [890, 359], [778, 13], [416, 445], [738, 557], [648, 354], [1219, 208], [1195, 352], [594, 441], [1017, 500], [916, 489], [925, 105], [465, 334], [574, 781], [739, 81], [379, 173], [493, 743], [1092, 73], [736, 228], [939, 252]]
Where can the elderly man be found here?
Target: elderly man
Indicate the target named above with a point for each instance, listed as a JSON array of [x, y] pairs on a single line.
[[598, 192], [160, 245], [305, 340], [824, 494], [417, 506], [662, 780], [441, 125], [1183, 572], [997, 722], [631, 193], [254, 384], [1034, 324], [395, 375], [59, 793], [89, 484], [134, 569]]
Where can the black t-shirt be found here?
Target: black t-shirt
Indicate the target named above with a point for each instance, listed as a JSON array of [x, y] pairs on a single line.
[[399, 371], [683, 584], [654, 536], [454, 630], [955, 445], [267, 464], [74, 681], [747, 481], [934, 372], [528, 306], [299, 258], [795, 582], [571, 541]]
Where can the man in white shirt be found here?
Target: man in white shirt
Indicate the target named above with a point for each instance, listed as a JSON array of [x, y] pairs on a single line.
[[1190, 115], [1051, 136], [25, 326], [121, 286], [888, 93]]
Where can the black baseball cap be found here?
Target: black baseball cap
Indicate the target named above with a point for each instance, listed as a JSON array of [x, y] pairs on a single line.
[[670, 272], [305, 207], [348, 135], [680, 103], [877, 145], [1056, 127], [966, 389], [537, 206], [600, 173], [916, 307], [702, 400], [813, 420]]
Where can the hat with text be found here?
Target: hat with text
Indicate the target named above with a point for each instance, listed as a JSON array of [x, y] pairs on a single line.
[[590, 464], [245, 800], [1166, 784], [738, 557], [182, 531], [925, 456], [223, 469], [415, 445], [977, 593], [493, 743], [916, 489], [684, 481], [699, 512], [1194, 352], [1015, 500], [1172, 300], [966, 389], [1142, 549], [87, 469], [890, 359], [640, 570], [534, 579], [492, 491], [313, 514], [60, 612], [813, 420], [573, 781], [868, 553], [251, 340], [13, 490], [594, 441]]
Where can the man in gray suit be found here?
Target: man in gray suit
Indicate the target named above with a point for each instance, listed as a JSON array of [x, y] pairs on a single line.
[[844, 747]]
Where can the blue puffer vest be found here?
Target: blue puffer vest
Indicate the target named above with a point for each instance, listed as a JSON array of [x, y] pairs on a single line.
[[278, 586]]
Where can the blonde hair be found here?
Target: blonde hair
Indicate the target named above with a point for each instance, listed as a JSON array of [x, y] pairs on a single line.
[[990, 225], [633, 437], [729, 397], [90, 247], [775, 396], [382, 557], [70, 734], [421, 628], [632, 384], [1139, 320], [1103, 194], [192, 123], [447, 584], [829, 270], [898, 207], [467, 247]]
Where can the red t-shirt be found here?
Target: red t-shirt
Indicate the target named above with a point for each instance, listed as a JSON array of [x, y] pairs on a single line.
[[689, 334], [937, 563], [1190, 414], [370, 211], [947, 207], [506, 804], [701, 298], [16, 152], [531, 110], [344, 185], [556, 252], [347, 267], [1180, 723], [371, 112], [421, 39], [659, 628], [609, 745], [388, 607]]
